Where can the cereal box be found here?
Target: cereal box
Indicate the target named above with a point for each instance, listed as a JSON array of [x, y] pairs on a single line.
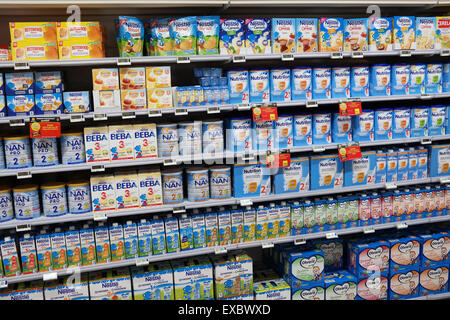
[[404, 32], [232, 36], [257, 36], [208, 35], [283, 35], [158, 77], [105, 79], [20, 105], [48, 103], [380, 34], [19, 83], [159, 98], [79, 49], [83, 30], [183, 32], [355, 34], [331, 34], [425, 33], [442, 32], [133, 99], [132, 78], [160, 36], [48, 82], [130, 36], [76, 101], [306, 34]]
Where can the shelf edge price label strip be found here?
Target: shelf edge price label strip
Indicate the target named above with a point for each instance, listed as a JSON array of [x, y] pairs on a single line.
[[300, 241], [331, 235], [350, 152], [45, 128], [123, 61], [17, 122], [154, 113], [141, 262], [183, 60], [287, 57], [351, 108], [220, 250], [336, 55], [50, 276], [267, 245], [23, 174], [239, 59], [402, 225], [368, 230], [128, 115], [23, 227], [246, 202], [445, 52], [265, 113], [100, 216], [22, 65], [212, 110], [405, 53], [311, 104], [357, 54], [76, 118], [3, 283]]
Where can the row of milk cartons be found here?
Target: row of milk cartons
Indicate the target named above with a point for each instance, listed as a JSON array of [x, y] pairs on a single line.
[[307, 83]]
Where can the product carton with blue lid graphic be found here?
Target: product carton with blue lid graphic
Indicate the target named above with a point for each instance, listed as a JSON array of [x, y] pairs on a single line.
[[208, 35], [422, 166], [340, 285], [355, 34], [404, 32], [257, 36], [110, 285], [302, 130], [433, 280], [248, 179], [239, 134], [425, 33], [306, 34], [232, 36], [360, 171], [417, 78], [435, 249], [359, 81], [263, 135], [273, 289], [283, 135], [301, 83], [419, 121], [383, 124], [364, 259], [341, 128], [321, 83], [381, 166], [327, 172], [321, 128], [433, 80], [400, 78], [333, 253], [403, 164], [340, 82], [380, 80], [20, 105], [238, 86], [303, 268], [20, 83], [404, 284], [193, 279], [283, 35], [363, 126], [30, 290], [48, 103], [153, 282], [64, 289], [294, 178], [49, 82], [439, 163], [331, 34], [380, 34], [259, 86], [436, 120], [401, 123], [392, 165], [405, 253], [280, 84]]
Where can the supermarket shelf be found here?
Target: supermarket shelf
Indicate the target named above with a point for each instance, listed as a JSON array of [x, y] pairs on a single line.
[[220, 249], [440, 296], [329, 3], [106, 4]]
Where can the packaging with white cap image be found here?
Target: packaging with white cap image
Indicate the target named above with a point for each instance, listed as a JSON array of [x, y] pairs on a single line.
[[383, 124], [302, 127], [327, 172], [433, 80], [419, 121], [417, 78], [283, 132], [340, 82], [341, 128], [321, 83], [400, 78], [259, 86], [436, 120], [294, 178], [301, 83], [321, 128], [363, 126], [400, 123], [359, 81], [263, 135], [360, 171], [280, 84], [380, 80]]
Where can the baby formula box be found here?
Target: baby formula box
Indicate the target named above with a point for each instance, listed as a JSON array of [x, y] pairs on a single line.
[[87, 243], [224, 226], [59, 251], [116, 239], [327, 172], [145, 141], [417, 78], [273, 222], [306, 34], [413, 163], [400, 78], [439, 160], [249, 224], [446, 77], [383, 124], [331, 34], [294, 178], [79, 197], [186, 234], [425, 33], [360, 171], [211, 228], [121, 142], [190, 138], [2, 155], [380, 80], [96, 142], [433, 280], [280, 84], [172, 187], [257, 36], [259, 86], [26, 202], [321, 128], [48, 104], [144, 233], [54, 199], [197, 184], [341, 128], [232, 36], [198, 229], [404, 284], [220, 181], [381, 166], [403, 165], [433, 82], [28, 254], [404, 32], [150, 187], [127, 190], [6, 205], [262, 221], [283, 35], [321, 85], [238, 86], [239, 135], [392, 165], [72, 148], [340, 285], [301, 83], [103, 192], [380, 34], [19, 83], [422, 167], [340, 82], [167, 138], [102, 243], [17, 152], [302, 127], [158, 236], [43, 251], [400, 123], [73, 247], [45, 152], [419, 121], [172, 232], [363, 126], [212, 136], [436, 120], [130, 238], [359, 81], [10, 257], [283, 134], [247, 179]]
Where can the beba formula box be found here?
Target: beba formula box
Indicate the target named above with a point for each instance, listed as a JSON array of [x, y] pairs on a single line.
[[359, 81], [355, 34], [121, 142], [232, 36], [257, 36], [380, 80], [306, 34], [425, 33], [380, 34], [283, 35], [145, 141], [321, 85], [97, 144], [404, 32], [150, 190], [331, 34], [127, 190], [103, 192], [301, 83]]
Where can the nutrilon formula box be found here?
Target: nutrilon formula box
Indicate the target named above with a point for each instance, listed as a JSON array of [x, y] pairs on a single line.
[[327, 172]]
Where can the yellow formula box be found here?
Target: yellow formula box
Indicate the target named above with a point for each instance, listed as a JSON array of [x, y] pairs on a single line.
[[133, 99], [158, 77], [159, 98], [33, 32], [80, 49], [90, 31]]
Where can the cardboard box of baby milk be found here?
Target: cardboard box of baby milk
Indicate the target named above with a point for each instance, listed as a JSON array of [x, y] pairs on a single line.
[[103, 192], [327, 172], [21, 105], [49, 82], [333, 253], [76, 101], [247, 179], [126, 190], [150, 190], [433, 280], [366, 258], [144, 141], [121, 141], [360, 171], [105, 79], [153, 282], [67, 288], [331, 34], [313, 291], [375, 287], [404, 253], [304, 268], [439, 160], [403, 284], [110, 285], [340, 285], [48, 104], [31, 290], [193, 279], [274, 289], [435, 248], [294, 178], [96, 142], [19, 83]]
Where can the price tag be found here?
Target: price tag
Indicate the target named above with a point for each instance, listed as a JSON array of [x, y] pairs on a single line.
[[25, 65], [212, 110], [445, 52], [349, 152], [278, 160], [426, 141], [183, 60], [318, 149], [337, 55], [17, 122], [357, 54], [267, 245], [141, 262], [248, 157], [405, 53], [350, 108], [300, 241], [245, 202], [128, 115], [220, 250], [425, 96], [311, 104], [402, 225], [287, 57], [154, 113], [181, 112], [238, 59], [170, 162], [390, 186], [124, 61], [100, 216], [177, 210], [23, 174], [3, 284], [45, 128], [98, 168], [76, 118], [100, 117], [444, 180], [243, 107], [265, 114], [50, 276], [331, 235], [23, 227], [368, 230]]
